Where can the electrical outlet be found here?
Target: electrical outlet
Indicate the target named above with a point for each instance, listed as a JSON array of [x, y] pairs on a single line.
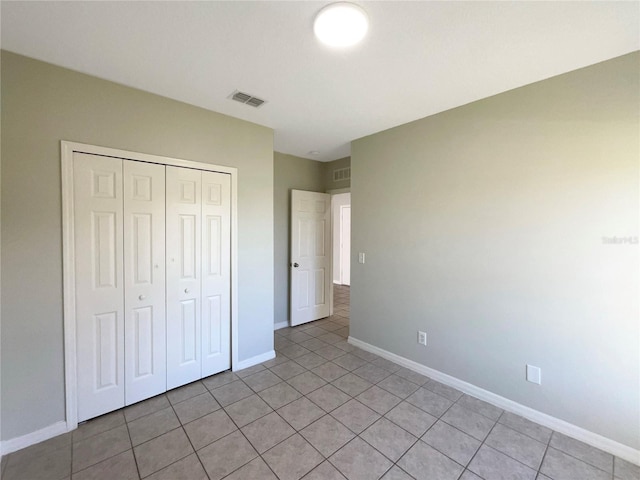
[[361, 257], [422, 338], [534, 374]]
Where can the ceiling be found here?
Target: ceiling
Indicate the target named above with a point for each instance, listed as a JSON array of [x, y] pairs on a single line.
[[419, 58]]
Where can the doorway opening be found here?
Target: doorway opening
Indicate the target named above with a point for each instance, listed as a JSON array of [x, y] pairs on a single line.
[[341, 228], [341, 223]]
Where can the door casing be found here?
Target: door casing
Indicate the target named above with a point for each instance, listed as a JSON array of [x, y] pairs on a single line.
[[345, 245]]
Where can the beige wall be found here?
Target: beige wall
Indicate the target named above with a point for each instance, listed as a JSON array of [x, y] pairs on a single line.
[[484, 226], [289, 173], [43, 104]]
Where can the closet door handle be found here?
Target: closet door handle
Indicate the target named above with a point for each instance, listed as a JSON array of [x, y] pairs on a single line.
[[186, 290], [141, 297]]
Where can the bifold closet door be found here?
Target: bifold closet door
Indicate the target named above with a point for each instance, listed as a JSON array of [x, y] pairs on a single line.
[[184, 223], [216, 273], [153, 279], [144, 280], [98, 246]]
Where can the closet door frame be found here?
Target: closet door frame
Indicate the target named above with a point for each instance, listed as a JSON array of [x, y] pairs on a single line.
[[68, 254]]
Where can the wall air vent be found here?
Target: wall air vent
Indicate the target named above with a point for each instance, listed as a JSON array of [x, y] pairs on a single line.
[[342, 174], [246, 99]]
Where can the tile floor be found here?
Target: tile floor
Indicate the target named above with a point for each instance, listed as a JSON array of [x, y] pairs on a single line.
[[322, 409]]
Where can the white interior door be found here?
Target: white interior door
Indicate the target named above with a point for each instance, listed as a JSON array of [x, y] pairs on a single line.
[[345, 244], [184, 212], [98, 244], [216, 273], [310, 256], [144, 280]]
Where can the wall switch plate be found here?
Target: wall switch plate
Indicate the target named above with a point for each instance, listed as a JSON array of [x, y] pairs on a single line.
[[534, 374], [422, 338], [361, 257]]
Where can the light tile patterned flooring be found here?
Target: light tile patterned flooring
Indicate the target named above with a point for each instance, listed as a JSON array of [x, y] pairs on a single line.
[[322, 409]]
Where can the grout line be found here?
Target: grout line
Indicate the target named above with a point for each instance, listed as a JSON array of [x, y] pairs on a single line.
[[474, 456], [382, 453], [133, 454], [404, 471], [221, 438], [188, 439], [483, 442], [176, 461], [582, 461], [70, 466], [455, 428], [543, 457], [100, 461], [179, 459], [239, 429], [99, 433], [343, 446], [123, 409], [523, 433]]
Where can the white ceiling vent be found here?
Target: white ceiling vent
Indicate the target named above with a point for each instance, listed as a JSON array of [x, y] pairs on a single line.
[[246, 99], [342, 174]]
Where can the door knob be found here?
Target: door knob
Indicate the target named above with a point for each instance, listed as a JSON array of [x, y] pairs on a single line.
[[186, 290], [141, 297], [295, 265]]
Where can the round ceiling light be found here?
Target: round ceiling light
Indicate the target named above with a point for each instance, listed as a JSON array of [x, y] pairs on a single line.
[[341, 24]]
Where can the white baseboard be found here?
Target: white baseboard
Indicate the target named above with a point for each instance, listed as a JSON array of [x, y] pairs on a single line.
[[18, 443], [280, 325], [595, 440], [250, 362]]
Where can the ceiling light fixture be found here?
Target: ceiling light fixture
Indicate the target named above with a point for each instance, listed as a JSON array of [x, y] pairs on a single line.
[[341, 24]]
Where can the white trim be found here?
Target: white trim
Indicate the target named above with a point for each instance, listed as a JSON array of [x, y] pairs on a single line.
[[69, 290], [336, 191], [18, 443], [250, 362], [340, 240], [341, 243], [70, 147], [0, 338], [234, 267], [280, 325], [595, 440], [68, 257]]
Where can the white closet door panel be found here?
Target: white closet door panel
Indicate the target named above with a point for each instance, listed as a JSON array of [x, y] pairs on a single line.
[[144, 278], [216, 272], [98, 244], [184, 223]]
